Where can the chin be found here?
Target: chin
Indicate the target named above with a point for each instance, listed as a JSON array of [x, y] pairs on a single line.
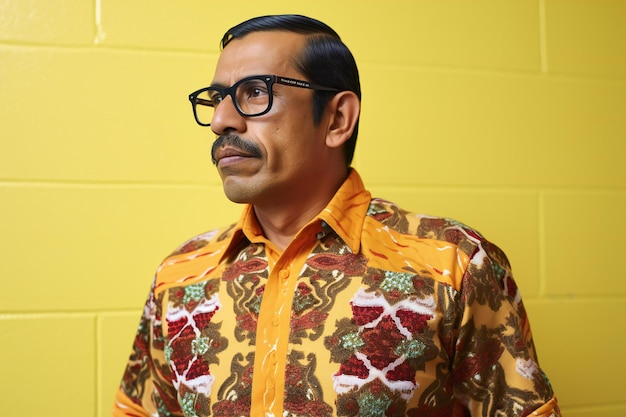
[[239, 195]]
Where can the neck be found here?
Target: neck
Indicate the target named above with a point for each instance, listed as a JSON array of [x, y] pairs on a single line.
[[281, 221]]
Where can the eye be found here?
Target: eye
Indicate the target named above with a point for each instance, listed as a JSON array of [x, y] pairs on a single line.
[[256, 92], [253, 90], [215, 97]]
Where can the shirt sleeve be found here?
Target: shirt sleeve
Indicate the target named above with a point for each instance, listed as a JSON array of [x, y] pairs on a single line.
[[146, 388], [495, 368]]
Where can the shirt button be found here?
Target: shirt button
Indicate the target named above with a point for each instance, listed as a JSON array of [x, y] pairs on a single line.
[[283, 274]]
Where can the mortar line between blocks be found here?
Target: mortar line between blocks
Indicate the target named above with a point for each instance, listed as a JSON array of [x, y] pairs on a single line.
[[541, 244], [543, 38]]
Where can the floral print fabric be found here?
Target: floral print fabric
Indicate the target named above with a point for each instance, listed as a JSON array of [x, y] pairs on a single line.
[[371, 311]]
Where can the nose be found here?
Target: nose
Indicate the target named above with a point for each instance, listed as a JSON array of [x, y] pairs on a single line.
[[226, 118]]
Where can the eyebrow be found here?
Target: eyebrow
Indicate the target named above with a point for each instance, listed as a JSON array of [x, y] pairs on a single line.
[[220, 85], [217, 85]]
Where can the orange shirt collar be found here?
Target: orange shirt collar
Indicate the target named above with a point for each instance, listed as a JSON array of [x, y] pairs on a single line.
[[345, 214]]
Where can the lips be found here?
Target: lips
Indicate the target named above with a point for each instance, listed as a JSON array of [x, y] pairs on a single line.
[[233, 147], [230, 152]]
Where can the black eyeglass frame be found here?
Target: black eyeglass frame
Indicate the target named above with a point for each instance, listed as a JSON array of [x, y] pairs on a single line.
[[269, 80]]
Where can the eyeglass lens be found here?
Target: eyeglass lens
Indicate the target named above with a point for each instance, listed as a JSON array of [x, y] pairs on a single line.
[[252, 97]]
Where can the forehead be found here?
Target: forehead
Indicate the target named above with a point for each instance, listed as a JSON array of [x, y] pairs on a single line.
[[258, 53]]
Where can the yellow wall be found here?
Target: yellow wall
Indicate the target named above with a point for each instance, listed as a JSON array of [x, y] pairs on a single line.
[[507, 115]]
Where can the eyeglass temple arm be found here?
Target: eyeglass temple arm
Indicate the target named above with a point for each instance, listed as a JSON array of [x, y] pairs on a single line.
[[203, 101], [303, 84]]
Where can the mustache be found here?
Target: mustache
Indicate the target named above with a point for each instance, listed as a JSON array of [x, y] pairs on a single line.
[[235, 141]]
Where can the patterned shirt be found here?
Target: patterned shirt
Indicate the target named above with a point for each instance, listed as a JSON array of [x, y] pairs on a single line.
[[370, 311]]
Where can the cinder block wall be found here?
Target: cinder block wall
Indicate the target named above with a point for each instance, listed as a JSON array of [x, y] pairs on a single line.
[[509, 116]]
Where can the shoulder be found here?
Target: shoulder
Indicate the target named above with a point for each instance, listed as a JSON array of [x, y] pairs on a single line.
[[427, 227], [209, 238], [194, 259]]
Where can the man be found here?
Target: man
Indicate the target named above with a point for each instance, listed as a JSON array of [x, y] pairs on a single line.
[[321, 301]]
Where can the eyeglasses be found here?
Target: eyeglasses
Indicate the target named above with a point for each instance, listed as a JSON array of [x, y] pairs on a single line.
[[252, 96]]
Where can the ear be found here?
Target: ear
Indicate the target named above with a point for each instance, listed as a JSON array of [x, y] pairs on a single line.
[[344, 109]]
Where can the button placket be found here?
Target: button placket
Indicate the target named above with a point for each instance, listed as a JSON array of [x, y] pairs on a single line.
[[272, 338]]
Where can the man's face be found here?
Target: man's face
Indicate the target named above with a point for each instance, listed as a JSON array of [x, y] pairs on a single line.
[[283, 151]]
